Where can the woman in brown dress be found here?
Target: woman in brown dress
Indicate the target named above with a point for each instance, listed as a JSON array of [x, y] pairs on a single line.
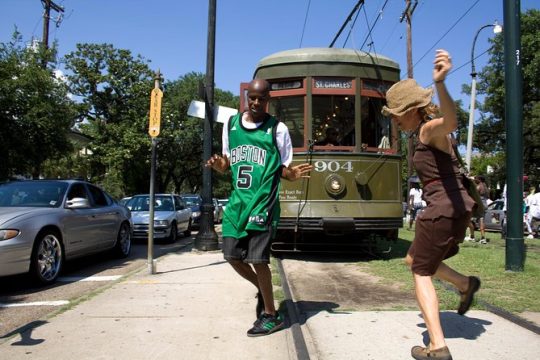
[[441, 226]]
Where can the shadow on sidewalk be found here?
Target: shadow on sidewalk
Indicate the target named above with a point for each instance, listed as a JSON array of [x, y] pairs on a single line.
[[458, 327], [25, 332], [193, 267], [303, 310]]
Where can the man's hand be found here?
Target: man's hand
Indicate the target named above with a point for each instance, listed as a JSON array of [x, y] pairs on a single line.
[[218, 163], [293, 173]]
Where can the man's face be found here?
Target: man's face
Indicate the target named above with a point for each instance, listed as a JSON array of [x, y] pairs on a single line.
[[257, 100]]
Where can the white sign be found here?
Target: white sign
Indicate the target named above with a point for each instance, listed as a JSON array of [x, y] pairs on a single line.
[[221, 113]]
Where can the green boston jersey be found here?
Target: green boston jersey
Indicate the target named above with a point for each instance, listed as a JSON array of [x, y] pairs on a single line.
[[256, 166]]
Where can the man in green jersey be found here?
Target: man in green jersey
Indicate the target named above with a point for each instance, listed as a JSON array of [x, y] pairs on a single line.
[[258, 150]]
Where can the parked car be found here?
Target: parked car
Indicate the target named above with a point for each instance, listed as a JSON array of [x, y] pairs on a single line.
[[223, 203], [218, 211], [494, 216], [194, 201], [123, 201], [46, 222], [171, 216]]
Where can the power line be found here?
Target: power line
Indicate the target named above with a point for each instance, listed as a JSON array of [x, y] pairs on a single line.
[[305, 22], [446, 33], [352, 27], [373, 26], [358, 4]]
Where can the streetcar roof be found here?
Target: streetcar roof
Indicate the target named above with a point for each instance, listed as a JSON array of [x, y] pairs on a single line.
[[318, 55]]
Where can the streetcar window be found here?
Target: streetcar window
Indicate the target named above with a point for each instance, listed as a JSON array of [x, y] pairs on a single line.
[[334, 112], [290, 110], [375, 127]]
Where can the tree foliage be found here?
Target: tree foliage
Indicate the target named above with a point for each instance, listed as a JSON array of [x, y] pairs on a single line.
[[114, 91], [181, 145], [491, 131], [36, 113]]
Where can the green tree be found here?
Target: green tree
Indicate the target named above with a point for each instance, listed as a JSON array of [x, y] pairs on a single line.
[[491, 131], [180, 148], [114, 91], [36, 114]]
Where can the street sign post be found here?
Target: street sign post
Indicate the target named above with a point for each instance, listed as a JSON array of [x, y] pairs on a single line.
[[153, 130]]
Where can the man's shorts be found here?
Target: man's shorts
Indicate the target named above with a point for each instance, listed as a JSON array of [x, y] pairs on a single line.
[[253, 249]]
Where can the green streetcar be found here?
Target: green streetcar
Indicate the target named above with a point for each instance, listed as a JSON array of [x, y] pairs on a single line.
[[354, 191]]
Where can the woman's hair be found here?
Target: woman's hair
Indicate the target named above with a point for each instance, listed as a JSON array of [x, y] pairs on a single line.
[[430, 111]]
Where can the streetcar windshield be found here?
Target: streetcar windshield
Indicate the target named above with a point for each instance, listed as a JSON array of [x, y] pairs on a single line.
[[333, 120], [290, 110]]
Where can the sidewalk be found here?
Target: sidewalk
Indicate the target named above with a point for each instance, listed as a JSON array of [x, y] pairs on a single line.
[[196, 307]]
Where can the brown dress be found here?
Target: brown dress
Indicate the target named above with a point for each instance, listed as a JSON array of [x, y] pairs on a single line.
[[442, 224]]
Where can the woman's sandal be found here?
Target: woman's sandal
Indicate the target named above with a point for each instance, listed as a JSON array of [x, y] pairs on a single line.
[[468, 295], [424, 353]]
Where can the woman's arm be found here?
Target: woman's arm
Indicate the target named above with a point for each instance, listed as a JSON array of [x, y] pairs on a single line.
[[435, 132]]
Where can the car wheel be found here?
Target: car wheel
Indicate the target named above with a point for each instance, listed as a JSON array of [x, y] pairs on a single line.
[[122, 248], [187, 232], [174, 233], [47, 257]]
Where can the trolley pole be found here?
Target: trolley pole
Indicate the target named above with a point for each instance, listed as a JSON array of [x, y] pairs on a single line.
[[207, 238], [153, 130], [515, 249], [407, 15]]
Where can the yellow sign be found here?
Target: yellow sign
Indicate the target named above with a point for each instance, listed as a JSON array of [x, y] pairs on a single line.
[[155, 112]]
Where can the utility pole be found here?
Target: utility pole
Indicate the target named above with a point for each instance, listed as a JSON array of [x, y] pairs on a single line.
[[513, 81], [407, 15], [207, 238], [48, 5]]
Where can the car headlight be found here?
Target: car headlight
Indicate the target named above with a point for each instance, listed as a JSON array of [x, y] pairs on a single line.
[[196, 214], [161, 223], [6, 234]]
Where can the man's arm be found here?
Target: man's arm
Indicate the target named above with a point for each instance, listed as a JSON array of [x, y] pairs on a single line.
[[293, 173], [218, 163]]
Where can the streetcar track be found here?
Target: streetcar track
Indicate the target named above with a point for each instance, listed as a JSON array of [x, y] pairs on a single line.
[[293, 316]]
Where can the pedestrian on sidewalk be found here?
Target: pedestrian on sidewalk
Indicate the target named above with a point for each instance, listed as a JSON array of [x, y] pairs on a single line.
[[441, 226], [258, 150]]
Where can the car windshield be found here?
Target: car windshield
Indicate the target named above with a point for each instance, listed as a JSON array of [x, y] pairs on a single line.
[[142, 203], [191, 200], [32, 193]]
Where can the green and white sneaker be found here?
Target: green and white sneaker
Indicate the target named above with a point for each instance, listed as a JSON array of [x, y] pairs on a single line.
[[266, 324]]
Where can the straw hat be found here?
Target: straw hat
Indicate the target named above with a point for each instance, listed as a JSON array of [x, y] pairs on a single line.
[[405, 95]]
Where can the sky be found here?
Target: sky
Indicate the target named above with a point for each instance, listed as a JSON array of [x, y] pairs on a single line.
[[172, 34]]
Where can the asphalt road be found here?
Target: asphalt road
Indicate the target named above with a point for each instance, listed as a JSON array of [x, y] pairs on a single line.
[[22, 303]]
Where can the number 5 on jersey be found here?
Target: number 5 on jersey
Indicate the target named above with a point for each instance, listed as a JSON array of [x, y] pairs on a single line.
[[243, 178]]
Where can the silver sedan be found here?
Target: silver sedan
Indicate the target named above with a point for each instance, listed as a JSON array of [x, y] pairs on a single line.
[[46, 222]]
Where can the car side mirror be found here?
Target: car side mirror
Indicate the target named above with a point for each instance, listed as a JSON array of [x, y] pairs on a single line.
[[78, 203]]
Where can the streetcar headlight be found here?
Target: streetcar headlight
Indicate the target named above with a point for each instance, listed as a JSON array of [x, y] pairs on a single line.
[[335, 184]]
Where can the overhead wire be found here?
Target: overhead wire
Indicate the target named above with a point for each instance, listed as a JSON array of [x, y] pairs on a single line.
[[446, 33], [373, 26], [352, 26], [305, 22]]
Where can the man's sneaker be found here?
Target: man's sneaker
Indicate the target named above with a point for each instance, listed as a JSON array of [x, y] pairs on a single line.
[[260, 305], [530, 236], [468, 238], [483, 240], [266, 324]]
